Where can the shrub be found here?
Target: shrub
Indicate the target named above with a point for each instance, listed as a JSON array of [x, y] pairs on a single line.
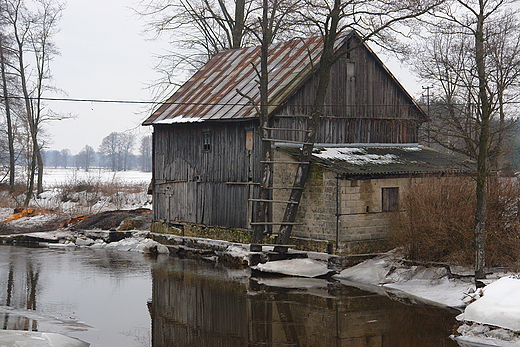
[[437, 221]]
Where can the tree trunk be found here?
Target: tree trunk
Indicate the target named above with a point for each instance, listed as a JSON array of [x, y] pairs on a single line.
[[10, 137], [326, 61], [238, 28], [39, 161], [483, 149], [262, 212]]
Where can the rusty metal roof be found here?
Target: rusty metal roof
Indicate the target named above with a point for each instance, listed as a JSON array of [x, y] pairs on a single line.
[[213, 92], [385, 159], [216, 92]]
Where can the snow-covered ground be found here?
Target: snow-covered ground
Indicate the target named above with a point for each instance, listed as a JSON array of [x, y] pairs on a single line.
[[491, 315], [59, 176], [76, 191], [15, 338]]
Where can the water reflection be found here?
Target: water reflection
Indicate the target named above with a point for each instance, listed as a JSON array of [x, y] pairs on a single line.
[[20, 291], [97, 296], [101, 297], [210, 305]]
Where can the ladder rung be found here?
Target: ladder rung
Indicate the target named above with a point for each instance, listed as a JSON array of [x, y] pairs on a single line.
[[289, 129], [275, 201], [284, 162], [243, 183], [288, 141], [299, 188], [276, 223]]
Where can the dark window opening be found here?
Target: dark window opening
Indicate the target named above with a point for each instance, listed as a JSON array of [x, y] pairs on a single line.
[[390, 197], [206, 142]]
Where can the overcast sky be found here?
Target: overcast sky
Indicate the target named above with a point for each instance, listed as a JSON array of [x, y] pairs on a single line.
[[104, 55]]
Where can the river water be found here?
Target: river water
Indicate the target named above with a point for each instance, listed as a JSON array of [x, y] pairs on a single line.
[[113, 298]]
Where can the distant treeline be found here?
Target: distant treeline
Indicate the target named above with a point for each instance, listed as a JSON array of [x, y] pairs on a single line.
[[116, 153]]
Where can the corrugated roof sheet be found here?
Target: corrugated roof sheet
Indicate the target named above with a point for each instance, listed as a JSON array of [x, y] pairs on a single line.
[[212, 92], [376, 160]]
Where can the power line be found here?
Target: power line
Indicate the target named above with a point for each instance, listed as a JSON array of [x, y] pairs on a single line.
[[142, 102], [192, 103]]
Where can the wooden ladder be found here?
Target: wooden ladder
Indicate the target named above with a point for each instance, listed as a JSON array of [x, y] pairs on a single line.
[[271, 201]]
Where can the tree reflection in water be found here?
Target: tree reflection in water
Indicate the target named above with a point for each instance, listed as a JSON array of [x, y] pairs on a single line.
[[21, 291]]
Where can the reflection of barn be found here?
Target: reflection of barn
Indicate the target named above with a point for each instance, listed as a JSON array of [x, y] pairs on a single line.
[[206, 142], [196, 305]]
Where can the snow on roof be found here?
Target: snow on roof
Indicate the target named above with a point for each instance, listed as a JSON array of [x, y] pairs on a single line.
[[356, 156], [382, 159], [179, 119]]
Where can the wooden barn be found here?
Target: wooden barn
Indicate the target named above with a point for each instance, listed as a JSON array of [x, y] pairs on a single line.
[[206, 142]]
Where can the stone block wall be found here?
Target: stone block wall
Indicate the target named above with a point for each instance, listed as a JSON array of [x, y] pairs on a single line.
[[358, 203]]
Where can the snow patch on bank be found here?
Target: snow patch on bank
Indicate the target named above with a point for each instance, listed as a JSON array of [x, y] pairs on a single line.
[[498, 306], [137, 243], [295, 267], [38, 339], [432, 284]]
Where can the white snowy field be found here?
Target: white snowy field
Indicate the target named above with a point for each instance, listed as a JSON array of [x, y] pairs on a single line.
[[59, 176], [76, 191]]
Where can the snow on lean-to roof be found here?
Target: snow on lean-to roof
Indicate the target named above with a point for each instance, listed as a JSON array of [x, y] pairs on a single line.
[[356, 156], [381, 159]]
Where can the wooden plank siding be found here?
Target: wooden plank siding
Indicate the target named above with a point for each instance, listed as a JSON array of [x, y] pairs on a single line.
[[360, 88], [206, 187], [337, 130]]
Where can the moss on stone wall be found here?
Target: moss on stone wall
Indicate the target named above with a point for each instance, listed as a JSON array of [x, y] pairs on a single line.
[[244, 236], [208, 232]]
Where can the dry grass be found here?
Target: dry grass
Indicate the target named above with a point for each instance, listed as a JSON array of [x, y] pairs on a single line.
[[437, 222], [76, 197]]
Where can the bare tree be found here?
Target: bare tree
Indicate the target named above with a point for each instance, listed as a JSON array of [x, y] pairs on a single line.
[[126, 144], [475, 65], [371, 19], [85, 157], [145, 150], [197, 29], [7, 106], [32, 32], [200, 29], [65, 157], [117, 149], [109, 148]]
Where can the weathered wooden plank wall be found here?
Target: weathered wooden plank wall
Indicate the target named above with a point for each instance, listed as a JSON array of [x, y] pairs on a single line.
[[359, 88], [338, 130], [203, 186]]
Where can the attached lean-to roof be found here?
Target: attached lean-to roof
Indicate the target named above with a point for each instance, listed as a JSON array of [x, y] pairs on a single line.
[[379, 160]]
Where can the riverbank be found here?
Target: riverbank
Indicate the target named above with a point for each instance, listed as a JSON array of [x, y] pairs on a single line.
[[386, 274]]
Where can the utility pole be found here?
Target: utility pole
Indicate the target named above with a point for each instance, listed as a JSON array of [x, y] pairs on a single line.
[[428, 138]]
